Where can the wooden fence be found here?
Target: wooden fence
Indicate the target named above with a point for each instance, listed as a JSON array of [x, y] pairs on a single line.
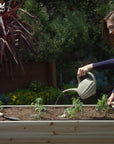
[[42, 72]]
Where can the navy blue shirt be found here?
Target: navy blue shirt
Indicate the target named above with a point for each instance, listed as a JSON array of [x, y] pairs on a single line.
[[108, 64]]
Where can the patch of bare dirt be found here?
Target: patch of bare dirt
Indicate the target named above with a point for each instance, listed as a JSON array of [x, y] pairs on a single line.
[[54, 113]]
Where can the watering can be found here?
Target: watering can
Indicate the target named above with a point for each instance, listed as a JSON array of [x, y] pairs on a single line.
[[86, 87]]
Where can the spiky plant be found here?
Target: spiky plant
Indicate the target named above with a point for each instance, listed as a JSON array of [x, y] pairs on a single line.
[[14, 34]]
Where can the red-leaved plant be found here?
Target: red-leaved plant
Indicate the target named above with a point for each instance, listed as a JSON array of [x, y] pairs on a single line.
[[14, 33]]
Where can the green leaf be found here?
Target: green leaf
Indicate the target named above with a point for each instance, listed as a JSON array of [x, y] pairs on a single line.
[[62, 116]]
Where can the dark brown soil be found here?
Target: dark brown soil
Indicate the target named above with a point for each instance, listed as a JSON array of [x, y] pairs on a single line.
[[26, 114]]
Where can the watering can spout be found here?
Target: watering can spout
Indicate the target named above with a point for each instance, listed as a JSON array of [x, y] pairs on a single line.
[[86, 87], [71, 89]]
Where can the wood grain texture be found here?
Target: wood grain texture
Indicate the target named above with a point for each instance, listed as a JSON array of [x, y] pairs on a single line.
[[57, 132]]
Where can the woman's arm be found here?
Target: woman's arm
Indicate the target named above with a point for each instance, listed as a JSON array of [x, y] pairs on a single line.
[[108, 64]]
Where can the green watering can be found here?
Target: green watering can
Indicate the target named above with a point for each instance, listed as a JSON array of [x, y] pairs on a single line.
[[86, 87]]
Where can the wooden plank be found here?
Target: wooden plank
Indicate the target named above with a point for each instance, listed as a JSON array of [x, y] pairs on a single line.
[[57, 132], [5, 106]]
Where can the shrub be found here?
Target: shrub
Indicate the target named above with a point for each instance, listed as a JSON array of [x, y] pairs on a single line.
[[21, 97], [35, 86], [4, 99], [49, 95], [27, 96]]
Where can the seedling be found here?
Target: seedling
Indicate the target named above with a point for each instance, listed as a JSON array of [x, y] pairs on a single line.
[[39, 107], [77, 106], [1, 108], [102, 105]]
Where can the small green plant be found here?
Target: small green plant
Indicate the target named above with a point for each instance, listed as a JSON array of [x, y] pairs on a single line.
[[102, 105], [39, 107], [36, 86], [77, 106], [1, 108]]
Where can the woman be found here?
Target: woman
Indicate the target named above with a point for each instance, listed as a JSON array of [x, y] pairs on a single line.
[[108, 35]]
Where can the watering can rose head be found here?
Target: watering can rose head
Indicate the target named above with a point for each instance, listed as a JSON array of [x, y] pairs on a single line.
[[2, 7]]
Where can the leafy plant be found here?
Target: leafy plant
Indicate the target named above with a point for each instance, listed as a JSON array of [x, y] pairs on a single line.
[[21, 96], [1, 108], [102, 105], [77, 106], [35, 85], [39, 108], [13, 32], [4, 99], [49, 94], [27, 96]]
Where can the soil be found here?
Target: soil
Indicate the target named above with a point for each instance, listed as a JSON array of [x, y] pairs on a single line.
[[54, 113]]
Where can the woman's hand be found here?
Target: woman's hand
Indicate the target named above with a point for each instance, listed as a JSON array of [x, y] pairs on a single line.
[[83, 70], [111, 98]]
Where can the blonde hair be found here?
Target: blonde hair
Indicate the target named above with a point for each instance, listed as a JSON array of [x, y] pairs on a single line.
[[105, 32]]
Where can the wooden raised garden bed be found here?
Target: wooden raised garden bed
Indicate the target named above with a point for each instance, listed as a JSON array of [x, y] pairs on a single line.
[[83, 129]]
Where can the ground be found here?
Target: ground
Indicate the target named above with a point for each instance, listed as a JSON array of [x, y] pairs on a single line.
[[53, 113]]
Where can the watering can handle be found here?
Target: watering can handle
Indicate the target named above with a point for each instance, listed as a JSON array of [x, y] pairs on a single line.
[[93, 77]]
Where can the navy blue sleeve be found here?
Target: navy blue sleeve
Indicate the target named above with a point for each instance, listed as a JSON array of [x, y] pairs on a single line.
[[108, 64], [113, 90]]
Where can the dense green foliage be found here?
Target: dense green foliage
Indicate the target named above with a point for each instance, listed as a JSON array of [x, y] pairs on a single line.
[[68, 30], [27, 96]]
